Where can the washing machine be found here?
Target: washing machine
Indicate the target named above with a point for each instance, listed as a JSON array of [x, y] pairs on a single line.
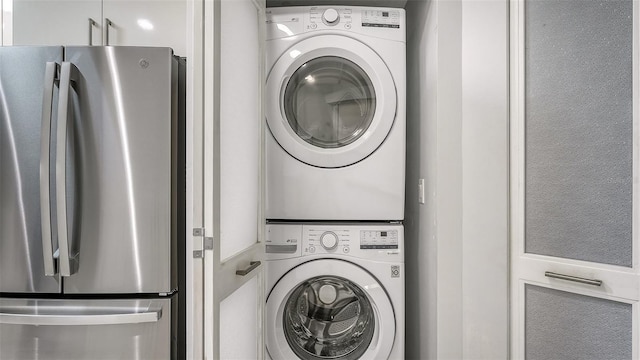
[[335, 109], [335, 291]]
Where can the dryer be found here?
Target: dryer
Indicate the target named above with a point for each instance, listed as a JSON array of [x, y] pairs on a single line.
[[335, 291], [335, 109]]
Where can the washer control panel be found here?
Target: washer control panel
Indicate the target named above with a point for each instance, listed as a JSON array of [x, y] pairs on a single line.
[[320, 239], [370, 241], [373, 241], [378, 239]]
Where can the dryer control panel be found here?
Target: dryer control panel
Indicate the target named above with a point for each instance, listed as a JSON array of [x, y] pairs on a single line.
[[329, 17], [321, 17], [384, 18], [371, 241], [383, 23]]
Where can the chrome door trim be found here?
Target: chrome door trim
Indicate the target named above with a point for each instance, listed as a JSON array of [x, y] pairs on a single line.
[[50, 77]]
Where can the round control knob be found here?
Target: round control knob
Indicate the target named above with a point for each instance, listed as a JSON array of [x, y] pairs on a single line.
[[331, 16], [329, 240]]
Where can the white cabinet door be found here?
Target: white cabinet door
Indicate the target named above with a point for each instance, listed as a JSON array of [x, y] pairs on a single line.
[[234, 179], [98, 22], [59, 22], [574, 179], [146, 23]]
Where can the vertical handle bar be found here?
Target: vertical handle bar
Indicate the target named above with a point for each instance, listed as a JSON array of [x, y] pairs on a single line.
[[50, 75], [68, 73]]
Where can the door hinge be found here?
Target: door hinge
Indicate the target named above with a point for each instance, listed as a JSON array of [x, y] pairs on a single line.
[[201, 243], [198, 243], [207, 243]]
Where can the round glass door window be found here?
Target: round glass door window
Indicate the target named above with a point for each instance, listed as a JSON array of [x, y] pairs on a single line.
[[328, 317], [329, 102]]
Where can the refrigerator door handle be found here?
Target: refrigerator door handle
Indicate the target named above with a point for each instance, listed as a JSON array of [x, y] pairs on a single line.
[[50, 77], [68, 262], [81, 319]]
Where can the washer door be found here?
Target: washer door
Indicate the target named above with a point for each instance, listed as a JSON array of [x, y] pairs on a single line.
[[329, 309], [331, 101]]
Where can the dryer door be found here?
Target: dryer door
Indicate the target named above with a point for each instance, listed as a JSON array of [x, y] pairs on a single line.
[[331, 101], [329, 309]]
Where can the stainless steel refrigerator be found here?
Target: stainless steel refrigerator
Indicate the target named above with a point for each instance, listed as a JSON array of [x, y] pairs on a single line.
[[91, 186]]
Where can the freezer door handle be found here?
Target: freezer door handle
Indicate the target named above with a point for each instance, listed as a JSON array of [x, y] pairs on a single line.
[[68, 261], [81, 319], [50, 77]]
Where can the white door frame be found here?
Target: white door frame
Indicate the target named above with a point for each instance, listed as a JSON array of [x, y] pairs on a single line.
[[222, 277], [619, 283]]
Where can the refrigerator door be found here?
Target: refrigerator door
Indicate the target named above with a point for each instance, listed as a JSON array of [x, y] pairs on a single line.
[[27, 222], [87, 329], [120, 231]]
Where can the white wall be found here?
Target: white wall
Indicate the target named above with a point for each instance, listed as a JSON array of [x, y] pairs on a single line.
[[6, 22], [457, 270], [1, 22], [420, 222], [485, 146]]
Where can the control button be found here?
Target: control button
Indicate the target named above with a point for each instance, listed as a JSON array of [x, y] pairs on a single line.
[[347, 26], [331, 16], [329, 240], [313, 26], [312, 249], [345, 249]]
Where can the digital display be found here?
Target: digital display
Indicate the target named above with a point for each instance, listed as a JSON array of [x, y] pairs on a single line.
[[385, 239], [381, 19]]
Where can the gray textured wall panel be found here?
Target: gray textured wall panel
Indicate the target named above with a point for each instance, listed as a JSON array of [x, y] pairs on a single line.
[[563, 325], [578, 96]]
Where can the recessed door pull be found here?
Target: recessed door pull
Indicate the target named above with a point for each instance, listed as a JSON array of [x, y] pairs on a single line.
[[252, 266], [593, 282]]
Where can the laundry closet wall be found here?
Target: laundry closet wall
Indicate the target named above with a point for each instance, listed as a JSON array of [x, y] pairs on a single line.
[[457, 138]]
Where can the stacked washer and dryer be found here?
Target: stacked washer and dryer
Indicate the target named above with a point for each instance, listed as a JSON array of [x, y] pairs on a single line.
[[335, 154]]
